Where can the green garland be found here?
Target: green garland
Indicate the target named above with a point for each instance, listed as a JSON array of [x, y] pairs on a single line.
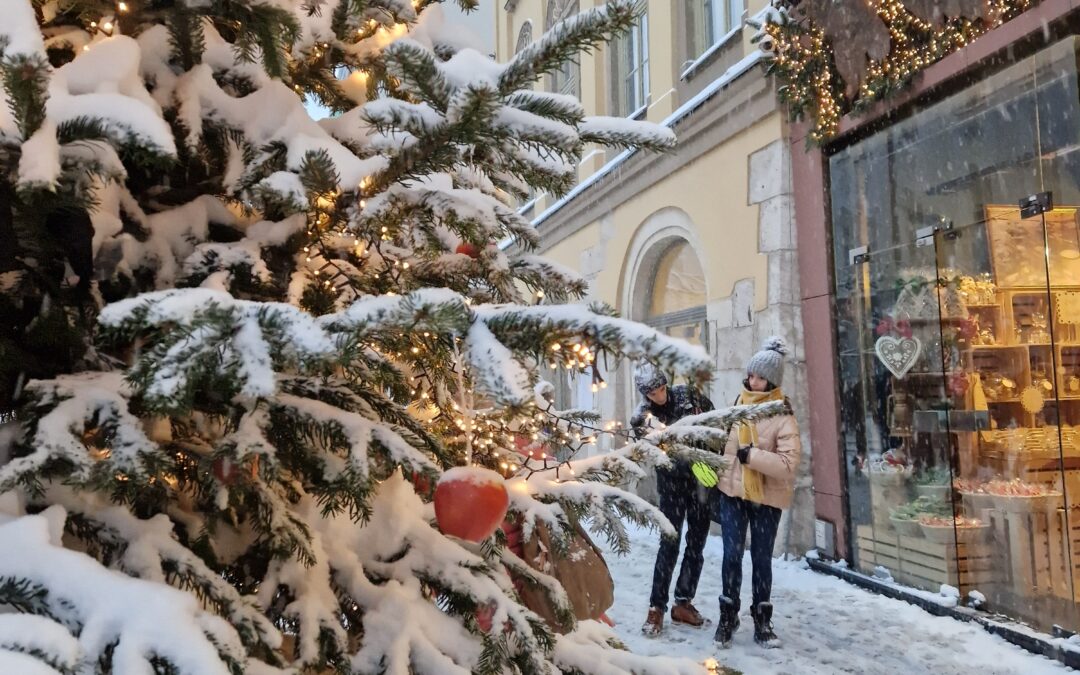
[[812, 88]]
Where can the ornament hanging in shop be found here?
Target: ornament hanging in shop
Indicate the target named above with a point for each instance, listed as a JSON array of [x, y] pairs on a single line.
[[898, 354], [899, 414], [470, 502], [918, 301], [1032, 400], [951, 303]]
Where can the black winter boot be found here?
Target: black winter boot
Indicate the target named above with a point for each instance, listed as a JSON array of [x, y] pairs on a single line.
[[729, 623], [763, 630]]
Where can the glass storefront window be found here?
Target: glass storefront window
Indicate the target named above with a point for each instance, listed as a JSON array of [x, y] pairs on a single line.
[[958, 325]]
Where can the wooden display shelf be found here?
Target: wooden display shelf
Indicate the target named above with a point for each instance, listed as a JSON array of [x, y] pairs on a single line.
[[922, 563], [1035, 547]]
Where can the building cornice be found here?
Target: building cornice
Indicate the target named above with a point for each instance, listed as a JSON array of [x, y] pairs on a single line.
[[718, 117]]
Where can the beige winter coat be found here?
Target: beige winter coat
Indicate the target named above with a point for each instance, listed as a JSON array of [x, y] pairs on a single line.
[[776, 457]]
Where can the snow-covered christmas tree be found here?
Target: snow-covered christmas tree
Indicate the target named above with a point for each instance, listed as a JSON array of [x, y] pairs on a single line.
[[241, 347]]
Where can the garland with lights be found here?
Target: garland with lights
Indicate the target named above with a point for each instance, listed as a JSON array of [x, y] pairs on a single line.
[[805, 55]]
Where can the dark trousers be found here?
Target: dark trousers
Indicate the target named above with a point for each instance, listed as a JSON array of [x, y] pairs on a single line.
[[734, 515], [680, 500]]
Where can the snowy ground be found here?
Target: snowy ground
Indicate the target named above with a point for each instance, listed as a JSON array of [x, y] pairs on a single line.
[[828, 626]]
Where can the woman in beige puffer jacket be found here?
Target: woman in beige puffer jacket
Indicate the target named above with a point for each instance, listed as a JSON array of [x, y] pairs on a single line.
[[756, 486]]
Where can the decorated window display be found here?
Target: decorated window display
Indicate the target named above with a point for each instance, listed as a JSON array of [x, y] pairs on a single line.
[[956, 239]]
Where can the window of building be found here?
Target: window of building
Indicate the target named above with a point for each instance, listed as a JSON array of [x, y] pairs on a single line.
[[525, 36], [708, 21], [567, 79], [630, 76], [677, 294]]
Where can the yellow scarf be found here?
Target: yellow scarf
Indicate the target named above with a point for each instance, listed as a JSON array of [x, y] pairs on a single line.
[[753, 481]]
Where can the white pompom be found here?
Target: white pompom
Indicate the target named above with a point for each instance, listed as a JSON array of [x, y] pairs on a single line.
[[775, 344]]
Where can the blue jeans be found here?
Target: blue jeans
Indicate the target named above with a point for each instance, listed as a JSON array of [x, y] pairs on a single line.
[[680, 500], [734, 515]]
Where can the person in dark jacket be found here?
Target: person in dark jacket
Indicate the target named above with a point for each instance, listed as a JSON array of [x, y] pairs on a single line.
[[681, 498]]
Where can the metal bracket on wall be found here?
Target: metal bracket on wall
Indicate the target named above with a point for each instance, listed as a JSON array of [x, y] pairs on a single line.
[[925, 236], [1036, 204], [858, 256]]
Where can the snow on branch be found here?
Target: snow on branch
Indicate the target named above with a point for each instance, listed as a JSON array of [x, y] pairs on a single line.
[[418, 70], [361, 433], [565, 40], [429, 309], [701, 437], [19, 32], [116, 617], [66, 405], [561, 107], [595, 649], [150, 551], [495, 370], [36, 644], [531, 329], [404, 630], [619, 131], [212, 334], [419, 119]]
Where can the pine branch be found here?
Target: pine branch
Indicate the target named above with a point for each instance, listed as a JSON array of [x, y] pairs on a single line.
[[558, 107], [567, 39], [419, 73], [26, 79], [186, 36]]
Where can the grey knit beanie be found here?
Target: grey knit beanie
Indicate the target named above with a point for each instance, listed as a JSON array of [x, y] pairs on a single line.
[[648, 378], [769, 362]]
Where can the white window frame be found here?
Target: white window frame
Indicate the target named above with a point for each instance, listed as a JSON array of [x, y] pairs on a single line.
[[565, 80], [632, 70], [720, 17]]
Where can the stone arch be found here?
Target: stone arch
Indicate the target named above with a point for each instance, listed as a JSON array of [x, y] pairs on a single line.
[[525, 36], [654, 237]]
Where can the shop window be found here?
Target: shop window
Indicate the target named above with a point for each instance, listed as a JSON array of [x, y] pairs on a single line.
[[630, 71], [709, 21], [957, 319], [567, 78]]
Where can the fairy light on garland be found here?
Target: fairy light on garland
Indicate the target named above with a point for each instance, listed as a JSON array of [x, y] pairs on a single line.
[[812, 87]]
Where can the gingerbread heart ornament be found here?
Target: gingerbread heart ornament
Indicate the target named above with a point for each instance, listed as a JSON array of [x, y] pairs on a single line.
[[898, 354]]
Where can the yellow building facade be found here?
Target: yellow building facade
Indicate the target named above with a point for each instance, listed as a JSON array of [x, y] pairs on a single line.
[[699, 242]]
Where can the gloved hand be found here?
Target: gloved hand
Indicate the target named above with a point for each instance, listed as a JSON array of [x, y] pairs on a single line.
[[744, 454]]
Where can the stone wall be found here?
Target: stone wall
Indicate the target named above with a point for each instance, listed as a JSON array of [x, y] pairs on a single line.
[[737, 330]]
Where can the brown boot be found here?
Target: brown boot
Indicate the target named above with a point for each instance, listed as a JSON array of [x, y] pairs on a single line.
[[654, 623], [687, 614]]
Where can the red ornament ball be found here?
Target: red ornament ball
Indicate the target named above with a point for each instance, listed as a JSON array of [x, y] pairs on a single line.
[[470, 502], [468, 248], [226, 471]]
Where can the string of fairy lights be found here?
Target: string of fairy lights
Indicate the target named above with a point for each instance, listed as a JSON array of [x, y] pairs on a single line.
[[812, 87], [545, 440]]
